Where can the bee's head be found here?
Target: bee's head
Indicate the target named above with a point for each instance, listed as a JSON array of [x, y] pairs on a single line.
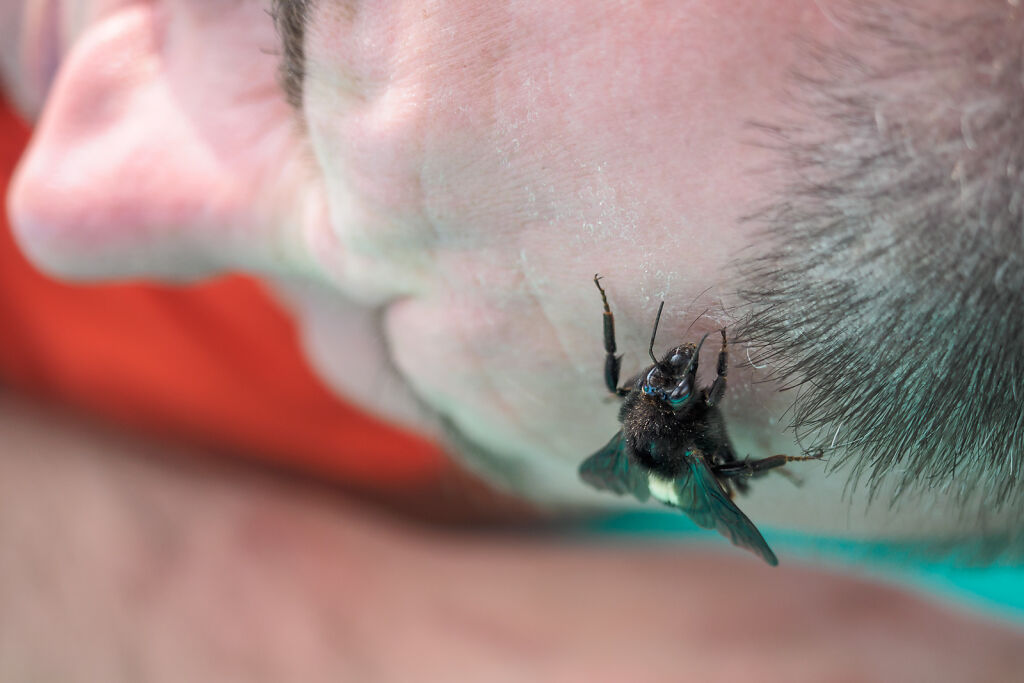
[[672, 379]]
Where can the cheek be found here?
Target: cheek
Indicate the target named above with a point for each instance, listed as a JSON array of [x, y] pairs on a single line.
[[487, 172], [518, 375], [157, 146], [613, 138]]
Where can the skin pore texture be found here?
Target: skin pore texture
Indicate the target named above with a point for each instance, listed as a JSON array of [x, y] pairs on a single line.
[[435, 209]]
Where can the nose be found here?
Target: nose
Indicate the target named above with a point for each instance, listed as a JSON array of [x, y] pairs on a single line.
[[126, 174]]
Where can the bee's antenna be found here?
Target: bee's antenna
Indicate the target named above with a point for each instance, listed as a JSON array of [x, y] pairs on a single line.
[[696, 352], [654, 333]]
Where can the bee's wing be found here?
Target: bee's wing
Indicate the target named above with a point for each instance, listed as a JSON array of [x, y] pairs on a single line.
[[706, 502], [611, 469]]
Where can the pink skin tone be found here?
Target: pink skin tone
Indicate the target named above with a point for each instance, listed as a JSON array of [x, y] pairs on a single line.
[[464, 168]]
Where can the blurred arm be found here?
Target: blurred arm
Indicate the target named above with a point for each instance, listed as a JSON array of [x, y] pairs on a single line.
[[124, 560]]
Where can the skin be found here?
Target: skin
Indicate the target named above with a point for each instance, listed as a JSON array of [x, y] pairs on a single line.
[[438, 209], [449, 240]]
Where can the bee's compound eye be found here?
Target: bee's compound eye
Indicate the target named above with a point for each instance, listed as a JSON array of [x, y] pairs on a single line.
[[677, 359], [679, 394], [653, 378], [676, 401]]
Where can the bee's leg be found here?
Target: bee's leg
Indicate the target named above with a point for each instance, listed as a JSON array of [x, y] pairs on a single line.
[[717, 390], [752, 468], [723, 459], [612, 362]]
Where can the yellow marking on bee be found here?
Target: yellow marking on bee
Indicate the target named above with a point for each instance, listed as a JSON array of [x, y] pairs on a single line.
[[662, 489]]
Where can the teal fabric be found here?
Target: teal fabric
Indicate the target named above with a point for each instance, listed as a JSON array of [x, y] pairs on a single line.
[[997, 589]]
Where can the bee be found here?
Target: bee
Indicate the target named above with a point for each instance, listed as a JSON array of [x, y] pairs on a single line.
[[673, 445]]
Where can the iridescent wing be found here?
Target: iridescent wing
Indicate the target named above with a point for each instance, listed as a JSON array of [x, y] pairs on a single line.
[[611, 469], [706, 502]]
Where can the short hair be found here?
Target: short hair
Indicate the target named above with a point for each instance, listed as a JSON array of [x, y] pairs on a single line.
[[889, 285]]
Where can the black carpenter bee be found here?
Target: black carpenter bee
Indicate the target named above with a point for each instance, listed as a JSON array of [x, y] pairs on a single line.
[[673, 443]]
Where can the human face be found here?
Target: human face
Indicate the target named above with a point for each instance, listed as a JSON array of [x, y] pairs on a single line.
[[435, 205]]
